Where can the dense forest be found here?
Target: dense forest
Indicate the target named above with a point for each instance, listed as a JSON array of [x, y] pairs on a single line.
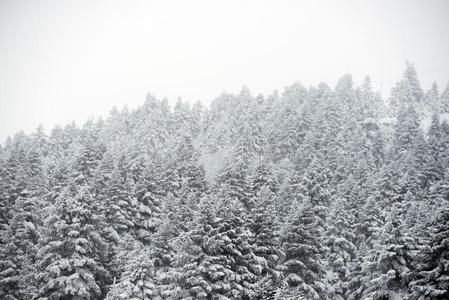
[[312, 193]]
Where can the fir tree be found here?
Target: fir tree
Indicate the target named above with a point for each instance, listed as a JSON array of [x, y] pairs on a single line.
[[138, 279], [72, 251], [18, 255], [433, 262], [302, 268], [217, 260], [340, 250], [407, 91], [386, 269]]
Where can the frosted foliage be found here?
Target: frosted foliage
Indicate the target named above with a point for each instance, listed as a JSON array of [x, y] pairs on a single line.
[[308, 193]]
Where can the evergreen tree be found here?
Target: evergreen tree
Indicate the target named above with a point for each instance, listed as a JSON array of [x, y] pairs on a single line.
[[234, 182], [340, 250], [264, 225], [302, 267], [431, 100], [407, 91], [149, 203], [432, 280], [406, 131], [217, 259], [263, 177], [138, 279], [386, 269], [435, 137], [72, 252], [290, 124], [444, 100], [18, 253], [188, 168]]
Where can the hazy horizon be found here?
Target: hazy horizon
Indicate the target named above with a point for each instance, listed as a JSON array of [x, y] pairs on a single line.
[[64, 61]]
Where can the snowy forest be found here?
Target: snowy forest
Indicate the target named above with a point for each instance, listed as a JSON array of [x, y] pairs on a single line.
[[310, 193]]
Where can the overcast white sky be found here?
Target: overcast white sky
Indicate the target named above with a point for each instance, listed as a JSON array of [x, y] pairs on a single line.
[[68, 60]]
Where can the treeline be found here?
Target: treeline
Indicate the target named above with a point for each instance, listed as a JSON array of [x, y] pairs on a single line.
[[315, 193]]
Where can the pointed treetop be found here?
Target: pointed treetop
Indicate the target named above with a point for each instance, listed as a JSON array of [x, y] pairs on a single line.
[[344, 83], [411, 78]]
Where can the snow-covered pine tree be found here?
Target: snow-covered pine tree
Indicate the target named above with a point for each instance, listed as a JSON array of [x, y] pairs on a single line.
[[370, 104], [118, 202], [264, 224], [387, 266], [290, 124], [406, 131], [431, 100], [262, 177], [217, 259], [444, 100], [432, 280], [234, 179], [19, 249], [340, 250], [138, 279], [191, 173], [302, 267], [149, 202], [406, 92], [72, 251]]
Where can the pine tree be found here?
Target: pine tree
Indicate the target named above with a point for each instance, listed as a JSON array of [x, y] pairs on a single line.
[[116, 195], [72, 251], [433, 262], [138, 279], [198, 116], [18, 255], [217, 259], [371, 104], [263, 177], [435, 137], [264, 225], [431, 99], [234, 182], [407, 91], [340, 250], [312, 189], [188, 168], [149, 203], [4, 196], [444, 100], [302, 268], [406, 131], [290, 124], [386, 269]]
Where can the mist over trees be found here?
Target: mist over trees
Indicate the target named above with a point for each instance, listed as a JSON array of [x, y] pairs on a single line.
[[312, 193]]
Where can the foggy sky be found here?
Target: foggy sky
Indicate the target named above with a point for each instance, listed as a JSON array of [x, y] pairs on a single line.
[[68, 60]]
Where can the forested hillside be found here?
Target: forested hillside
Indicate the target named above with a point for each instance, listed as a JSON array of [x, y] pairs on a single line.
[[311, 193]]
